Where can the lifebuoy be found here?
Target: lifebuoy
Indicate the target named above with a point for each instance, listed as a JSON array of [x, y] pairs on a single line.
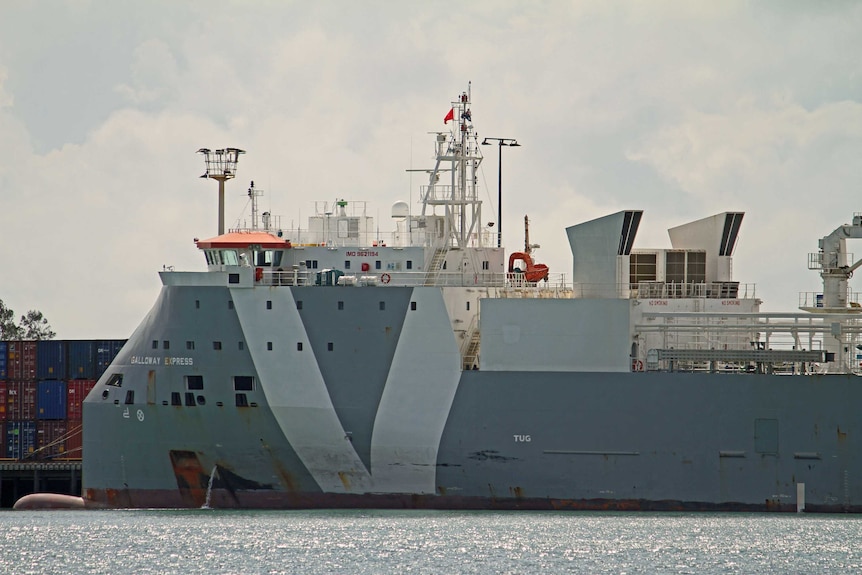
[[385, 278], [637, 365]]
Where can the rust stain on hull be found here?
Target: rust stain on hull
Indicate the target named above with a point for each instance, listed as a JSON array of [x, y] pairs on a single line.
[[269, 499]]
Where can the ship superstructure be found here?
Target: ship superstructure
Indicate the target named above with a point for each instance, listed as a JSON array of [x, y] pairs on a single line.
[[332, 366]]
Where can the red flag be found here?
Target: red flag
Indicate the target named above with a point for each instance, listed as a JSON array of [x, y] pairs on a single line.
[[449, 116]]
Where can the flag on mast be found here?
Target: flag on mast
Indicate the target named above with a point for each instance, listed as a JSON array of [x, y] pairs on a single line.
[[449, 116]]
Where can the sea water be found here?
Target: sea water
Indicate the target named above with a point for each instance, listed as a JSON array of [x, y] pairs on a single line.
[[215, 541]]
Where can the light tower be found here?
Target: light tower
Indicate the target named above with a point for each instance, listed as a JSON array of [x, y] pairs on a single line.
[[221, 166], [500, 143]]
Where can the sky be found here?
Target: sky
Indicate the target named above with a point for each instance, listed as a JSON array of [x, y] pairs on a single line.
[[681, 109]]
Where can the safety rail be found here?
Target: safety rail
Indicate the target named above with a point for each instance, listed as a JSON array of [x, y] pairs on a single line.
[[810, 299]]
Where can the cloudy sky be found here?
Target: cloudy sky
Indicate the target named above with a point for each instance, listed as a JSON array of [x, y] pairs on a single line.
[[682, 109]]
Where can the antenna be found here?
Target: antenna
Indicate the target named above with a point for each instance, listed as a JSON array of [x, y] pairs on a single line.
[[253, 195], [221, 166]]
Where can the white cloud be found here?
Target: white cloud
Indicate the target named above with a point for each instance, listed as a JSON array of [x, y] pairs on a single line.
[[680, 109]]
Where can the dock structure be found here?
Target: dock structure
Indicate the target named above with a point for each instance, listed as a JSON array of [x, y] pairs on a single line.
[[20, 478]]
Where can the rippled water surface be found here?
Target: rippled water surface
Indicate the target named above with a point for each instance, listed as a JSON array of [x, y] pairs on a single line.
[[238, 542]]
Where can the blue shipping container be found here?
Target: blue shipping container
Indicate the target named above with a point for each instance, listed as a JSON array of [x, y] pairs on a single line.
[[4, 352], [20, 439], [106, 351], [51, 359], [51, 400], [82, 359]]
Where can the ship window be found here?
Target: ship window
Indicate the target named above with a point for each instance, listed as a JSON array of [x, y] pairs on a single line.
[[299, 346], [240, 345], [190, 345], [311, 264], [243, 383], [269, 304], [340, 305], [241, 400], [217, 345], [269, 346], [202, 400], [413, 305], [382, 305], [197, 304], [409, 264], [377, 265], [209, 258], [347, 264], [276, 261], [190, 399], [155, 344], [116, 380], [330, 346], [194, 382], [175, 398], [230, 304], [486, 265], [233, 278], [130, 397], [230, 258], [299, 304], [166, 344], [468, 306]]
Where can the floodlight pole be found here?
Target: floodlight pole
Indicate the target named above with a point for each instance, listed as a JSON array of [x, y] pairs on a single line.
[[220, 166], [500, 143]]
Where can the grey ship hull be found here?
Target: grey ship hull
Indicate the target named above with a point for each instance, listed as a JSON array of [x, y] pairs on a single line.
[[396, 423]]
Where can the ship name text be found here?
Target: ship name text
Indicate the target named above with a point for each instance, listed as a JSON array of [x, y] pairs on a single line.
[[155, 360], [522, 438]]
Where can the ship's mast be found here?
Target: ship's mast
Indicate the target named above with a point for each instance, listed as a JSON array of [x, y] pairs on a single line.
[[459, 198]]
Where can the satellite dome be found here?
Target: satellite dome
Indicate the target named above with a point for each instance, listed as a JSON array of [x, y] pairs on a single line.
[[400, 210]]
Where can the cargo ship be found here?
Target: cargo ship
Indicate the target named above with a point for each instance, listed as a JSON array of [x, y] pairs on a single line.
[[335, 366]]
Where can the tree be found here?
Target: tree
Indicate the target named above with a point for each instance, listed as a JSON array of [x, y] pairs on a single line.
[[33, 325]]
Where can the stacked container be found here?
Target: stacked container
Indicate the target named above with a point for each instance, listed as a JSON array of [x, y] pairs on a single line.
[[42, 390]]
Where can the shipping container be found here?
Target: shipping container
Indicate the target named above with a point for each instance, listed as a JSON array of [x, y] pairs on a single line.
[[50, 439], [82, 359], [2, 402], [20, 400], [4, 353], [21, 360], [20, 439], [106, 351], [77, 390], [51, 359], [51, 399], [74, 439]]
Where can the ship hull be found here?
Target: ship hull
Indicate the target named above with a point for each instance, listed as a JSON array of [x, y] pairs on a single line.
[[373, 411]]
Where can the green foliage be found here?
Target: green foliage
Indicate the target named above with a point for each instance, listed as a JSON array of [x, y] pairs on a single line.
[[33, 326]]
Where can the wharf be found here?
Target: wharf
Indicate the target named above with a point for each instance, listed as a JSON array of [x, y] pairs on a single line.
[[20, 478]]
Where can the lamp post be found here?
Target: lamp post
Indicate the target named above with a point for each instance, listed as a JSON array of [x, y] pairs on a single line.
[[500, 143], [221, 166]]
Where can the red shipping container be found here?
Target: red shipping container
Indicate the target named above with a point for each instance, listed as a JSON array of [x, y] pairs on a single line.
[[2, 403], [74, 439], [20, 400], [21, 360], [77, 390], [50, 439]]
